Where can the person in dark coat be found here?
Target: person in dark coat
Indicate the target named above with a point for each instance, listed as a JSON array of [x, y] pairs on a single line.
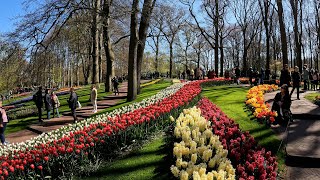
[[38, 100], [72, 101], [296, 78], [267, 74], [262, 76], [282, 102], [251, 75], [115, 84], [285, 76], [48, 103], [237, 72]]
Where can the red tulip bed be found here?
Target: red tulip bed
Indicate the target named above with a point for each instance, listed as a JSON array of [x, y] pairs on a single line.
[[68, 153], [250, 160], [63, 157]]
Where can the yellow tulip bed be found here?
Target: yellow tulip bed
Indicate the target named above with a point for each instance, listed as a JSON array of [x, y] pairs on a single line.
[[199, 153], [149, 83], [255, 101]]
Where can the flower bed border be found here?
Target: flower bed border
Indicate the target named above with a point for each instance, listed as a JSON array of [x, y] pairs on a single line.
[[252, 161]]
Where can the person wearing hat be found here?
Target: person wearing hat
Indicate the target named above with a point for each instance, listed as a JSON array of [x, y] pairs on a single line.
[[305, 77], [296, 78], [285, 76], [282, 102]]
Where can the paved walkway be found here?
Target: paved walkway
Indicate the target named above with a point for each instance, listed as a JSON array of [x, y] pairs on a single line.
[[66, 118], [302, 139]]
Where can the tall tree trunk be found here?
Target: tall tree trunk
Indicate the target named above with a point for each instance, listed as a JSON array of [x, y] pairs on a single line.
[[221, 56], [100, 56], [108, 45], [157, 54], [143, 29], [266, 26], [95, 37], [245, 52], [284, 46], [294, 6], [216, 38], [171, 58], [133, 46]]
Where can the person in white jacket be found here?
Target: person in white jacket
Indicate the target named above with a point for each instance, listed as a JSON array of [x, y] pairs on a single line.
[[3, 124], [93, 98]]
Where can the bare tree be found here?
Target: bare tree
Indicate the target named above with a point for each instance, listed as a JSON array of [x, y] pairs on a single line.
[[147, 9], [248, 18], [137, 44], [283, 34], [174, 19]]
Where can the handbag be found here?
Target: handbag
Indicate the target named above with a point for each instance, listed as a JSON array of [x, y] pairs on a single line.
[[78, 104]]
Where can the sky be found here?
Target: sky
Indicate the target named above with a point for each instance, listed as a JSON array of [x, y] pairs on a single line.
[[9, 10]]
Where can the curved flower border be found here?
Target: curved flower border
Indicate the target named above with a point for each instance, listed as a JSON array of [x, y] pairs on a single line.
[[252, 161], [199, 153], [73, 143], [255, 102]]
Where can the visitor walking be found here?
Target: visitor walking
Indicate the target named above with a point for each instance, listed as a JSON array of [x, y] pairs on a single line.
[[48, 103], [55, 104], [3, 124], [285, 76], [38, 100], [296, 81], [115, 83], [188, 74], [72, 101], [305, 77], [237, 72], [191, 74], [251, 75], [282, 103], [315, 77], [93, 98], [267, 74], [262, 74]]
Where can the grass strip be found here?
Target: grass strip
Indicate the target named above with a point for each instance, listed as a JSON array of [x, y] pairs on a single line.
[[231, 99]]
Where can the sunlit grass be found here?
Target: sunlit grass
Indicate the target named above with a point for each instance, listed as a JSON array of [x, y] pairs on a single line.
[[231, 101]]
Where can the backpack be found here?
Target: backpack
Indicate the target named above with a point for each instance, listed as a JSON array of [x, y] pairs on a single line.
[[34, 97]]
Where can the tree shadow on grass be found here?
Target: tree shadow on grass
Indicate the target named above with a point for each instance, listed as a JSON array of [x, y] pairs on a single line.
[[163, 168]]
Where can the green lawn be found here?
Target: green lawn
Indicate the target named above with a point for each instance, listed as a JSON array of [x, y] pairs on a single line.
[[141, 164], [312, 96], [146, 92], [231, 101], [83, 96]]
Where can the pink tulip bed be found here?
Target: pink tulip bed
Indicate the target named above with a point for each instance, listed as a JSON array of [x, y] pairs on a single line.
[[74, 150], [250, 160]]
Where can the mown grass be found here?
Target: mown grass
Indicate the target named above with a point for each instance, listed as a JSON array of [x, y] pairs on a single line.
[[311, 97], [83, 93], [146, 92], [141, 164], [83, 96], [231, 101]]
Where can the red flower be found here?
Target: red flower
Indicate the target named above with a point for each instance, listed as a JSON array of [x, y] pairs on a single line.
[[46, 158], [40, 168], [11, 169], [5, 172], [32, 166]]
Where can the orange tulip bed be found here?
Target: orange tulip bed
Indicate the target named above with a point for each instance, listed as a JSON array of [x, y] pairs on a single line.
[[255, 102], [219, 148]]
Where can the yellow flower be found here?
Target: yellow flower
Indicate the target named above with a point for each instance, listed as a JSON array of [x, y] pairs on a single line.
[[171, 119], [194, 158], [196, 175], [202, 171], [184, 175], [175, 171]]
